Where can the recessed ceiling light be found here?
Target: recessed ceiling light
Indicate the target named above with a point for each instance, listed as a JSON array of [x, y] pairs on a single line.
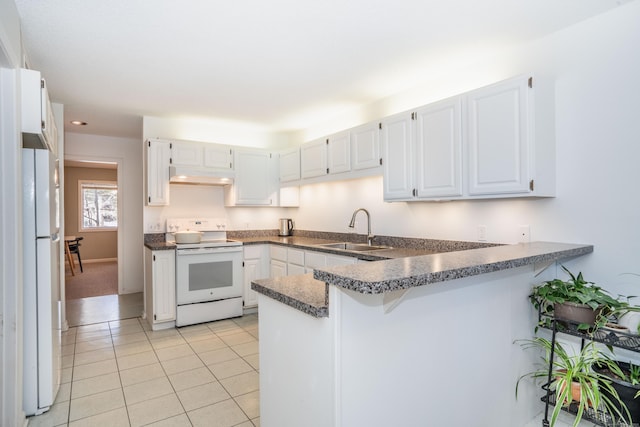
[[78, 123]]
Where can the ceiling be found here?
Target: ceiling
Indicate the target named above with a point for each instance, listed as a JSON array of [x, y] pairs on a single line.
[[281, 64]]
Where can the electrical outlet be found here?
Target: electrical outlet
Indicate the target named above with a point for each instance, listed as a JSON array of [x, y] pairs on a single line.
[[482, 233], [524, 234]]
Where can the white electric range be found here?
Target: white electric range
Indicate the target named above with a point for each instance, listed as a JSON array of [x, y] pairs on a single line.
[[208, 273]]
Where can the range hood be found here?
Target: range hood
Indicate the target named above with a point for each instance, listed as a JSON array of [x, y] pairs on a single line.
[[199, 176]]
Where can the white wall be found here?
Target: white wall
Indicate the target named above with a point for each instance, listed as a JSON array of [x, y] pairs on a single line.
[[128, 154]]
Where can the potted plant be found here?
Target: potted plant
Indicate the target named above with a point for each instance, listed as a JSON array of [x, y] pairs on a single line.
[[576, 300], [575, 382], [625, 379]]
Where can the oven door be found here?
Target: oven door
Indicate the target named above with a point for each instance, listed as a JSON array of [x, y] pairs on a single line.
[[208, 274]]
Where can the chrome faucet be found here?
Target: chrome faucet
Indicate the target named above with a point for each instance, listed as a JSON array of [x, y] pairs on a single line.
[[352, 224]]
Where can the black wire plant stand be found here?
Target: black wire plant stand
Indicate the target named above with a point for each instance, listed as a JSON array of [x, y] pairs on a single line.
[[604, 336]]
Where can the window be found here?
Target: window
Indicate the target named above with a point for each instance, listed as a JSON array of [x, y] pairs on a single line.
[[98, 202]]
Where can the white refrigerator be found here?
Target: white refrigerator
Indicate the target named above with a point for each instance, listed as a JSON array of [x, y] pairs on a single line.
[[41, 280]]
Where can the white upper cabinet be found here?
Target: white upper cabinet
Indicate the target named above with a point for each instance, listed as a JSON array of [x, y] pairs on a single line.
[[201, 155], [313, 159], [476, 145], [38, 124], [187, 154], [498, 130], [290, 165], [365, 146], [338, 153], [218, 156], [256, 180], [158, 159], [396, 138], [439, 149]]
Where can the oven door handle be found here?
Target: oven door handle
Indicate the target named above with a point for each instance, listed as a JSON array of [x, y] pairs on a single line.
[[196, 251]]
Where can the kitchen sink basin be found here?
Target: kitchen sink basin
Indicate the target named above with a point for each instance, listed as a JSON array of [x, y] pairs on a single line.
[[354, 247]]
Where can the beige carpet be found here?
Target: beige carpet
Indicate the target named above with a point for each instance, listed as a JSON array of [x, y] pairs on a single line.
[[99, 278]]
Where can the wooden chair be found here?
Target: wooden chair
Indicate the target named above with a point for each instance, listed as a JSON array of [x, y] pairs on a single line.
[[74, 248]]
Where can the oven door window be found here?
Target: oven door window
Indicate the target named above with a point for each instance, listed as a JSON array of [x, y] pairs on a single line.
[[210, 275]]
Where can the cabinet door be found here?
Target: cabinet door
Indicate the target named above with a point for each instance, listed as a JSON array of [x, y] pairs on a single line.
[[158, 157], [253, 184], [313, 159], [252, 272], [290, 165], [365, 146], [294, 270], [315, 260], [439, 149], [278, 268], [339, 153], [256, 266], [397, 153], [218, 156], [498, 138], [187, 154], [164, 289]]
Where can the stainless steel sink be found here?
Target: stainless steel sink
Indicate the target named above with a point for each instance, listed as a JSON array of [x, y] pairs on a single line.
[[354, 247]]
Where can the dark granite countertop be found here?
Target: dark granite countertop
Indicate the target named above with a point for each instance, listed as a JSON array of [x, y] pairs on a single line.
[[160, 246], [301, 292], [396, 274], [311, 243], [407, 263], [407, 272]]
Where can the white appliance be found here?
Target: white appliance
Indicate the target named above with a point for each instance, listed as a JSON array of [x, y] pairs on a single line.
[[41, 261], [208, 273]]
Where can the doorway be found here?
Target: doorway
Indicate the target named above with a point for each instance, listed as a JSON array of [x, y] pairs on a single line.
[[91, 224]]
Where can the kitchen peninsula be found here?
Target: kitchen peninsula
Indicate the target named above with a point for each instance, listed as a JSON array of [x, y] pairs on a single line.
[[412, 341]]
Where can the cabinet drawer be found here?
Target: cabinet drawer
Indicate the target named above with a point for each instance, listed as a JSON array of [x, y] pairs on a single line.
[[278, 252], [252, 251], [316, 260], [339, 260], [295, 256]]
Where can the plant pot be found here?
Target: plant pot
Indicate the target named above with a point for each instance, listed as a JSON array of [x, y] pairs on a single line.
[[626, 391], [577, 313], [576, 394], [615, 328], [631, 320]]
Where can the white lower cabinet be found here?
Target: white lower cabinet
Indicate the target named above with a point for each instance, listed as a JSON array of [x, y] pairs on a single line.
[[160, 288], [293, 261], [277, 261], [320, 260], [256, 267]]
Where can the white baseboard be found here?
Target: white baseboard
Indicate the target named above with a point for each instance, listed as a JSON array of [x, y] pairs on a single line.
[[91, 261]]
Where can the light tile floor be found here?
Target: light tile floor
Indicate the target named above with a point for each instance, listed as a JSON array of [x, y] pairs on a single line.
[[120, 373]]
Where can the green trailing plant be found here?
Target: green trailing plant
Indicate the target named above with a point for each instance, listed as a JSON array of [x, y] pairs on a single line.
[[634, 374], [578, 291], [595, 389]]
